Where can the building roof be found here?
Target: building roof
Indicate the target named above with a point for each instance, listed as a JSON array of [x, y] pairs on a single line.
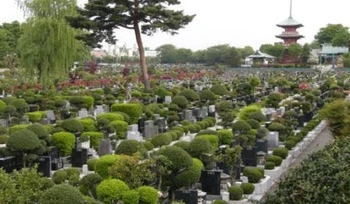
[[329, 49], [290, 22], [289, 36], [261, 55]]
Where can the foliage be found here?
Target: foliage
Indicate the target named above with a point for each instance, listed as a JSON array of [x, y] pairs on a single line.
[[206, 95], [213, 139], [269, 165], [16, 128], [95, 138], [64, 141], [281, 152], [273, 99], [133, 110], [48, 46], [336, 114], [245, 112], [190, 95], [88, 124], [148, 195], [248, 188], [218, 89], [110, 117], [111, 190], [61, 194], [241, 127], [289, 144], [180, 101], [131, 197], [161, 140], [121, 128], [130, 147], [253, 174], [104, 163], [148, 145], [235, 192], [36, 116], [199, 146], [274, 159], [3, 139], [335, 34], [72, 126], [59, 176]]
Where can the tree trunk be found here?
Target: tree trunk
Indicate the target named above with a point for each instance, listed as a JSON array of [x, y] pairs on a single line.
[[142, 56]]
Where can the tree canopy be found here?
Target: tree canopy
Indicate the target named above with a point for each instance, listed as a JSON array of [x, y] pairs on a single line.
[[335, 34], [101, 17]]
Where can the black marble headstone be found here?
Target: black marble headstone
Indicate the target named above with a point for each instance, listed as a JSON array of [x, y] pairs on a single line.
[[249, 156], [8, 164], [44, 165], [79, 157], [141, 124], [187, 197], [211, 181]]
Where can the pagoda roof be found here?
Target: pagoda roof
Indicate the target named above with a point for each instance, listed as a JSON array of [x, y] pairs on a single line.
[[289, 36], [259, 54], [290, 22]]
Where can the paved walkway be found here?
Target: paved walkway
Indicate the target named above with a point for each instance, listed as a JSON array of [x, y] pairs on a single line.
[[317, 144]]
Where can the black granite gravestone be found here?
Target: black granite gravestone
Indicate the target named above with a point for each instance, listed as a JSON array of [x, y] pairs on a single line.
[[79, 157], [249, 157], [261, 145], [141, 124], [8, 164], [187, 197], [44, 165], [211, 181]]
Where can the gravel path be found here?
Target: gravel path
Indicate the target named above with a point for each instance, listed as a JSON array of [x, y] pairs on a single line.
[[317, 144]]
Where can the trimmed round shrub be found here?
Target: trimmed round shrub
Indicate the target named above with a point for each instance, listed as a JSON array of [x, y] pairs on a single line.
[[89, 183], [64, 141], [23, 141], [183, 145], [248, 188], [289, 144], [179, 158], [88, 102], [211, 121], [72, 125], [125, 116], [62, 194], [269, 165], [180, 101], [110, 117], [21, 106], [3, 130], [178, 133], [133, 110], [220, 202], [207, 132], [245, 112], [40, 131], [2, 105], [225, 137], [95, 138], [253, 123], [36, 116], [190, 95], [148, 195], [206, 95], [258, 116], [131, 197], [60, 176], [17, 128], [103, 163], [148, 145], [161, 140], [3, 139], [218, 89], [274, 159], [199, 146], [91, 164], [253, 174], [190, 176], [111, 190], [121, 128], [88, 124], [173, 135], [241, 127], [213, 139], [130, 147], [281, 152], [235, 192]]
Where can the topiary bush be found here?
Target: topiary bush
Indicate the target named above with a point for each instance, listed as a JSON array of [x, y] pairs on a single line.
[[225, 137], [95, 138], [130, 147], [89, 124], [111, 190], [183, 145], [274, 159], [17, 128], [133, 110], [206, 95], [121, 128], [253, 174], [3, 139], [220, 202], [180, 101], [235, 192], [218, 89], [248, 188], [131, 197], [59, 176], [89, 183], [281, 152], [289, 144], [109, 117], [103, 163], [72, 126], [2, 105], [200, 146], [36, 116], [62, 194], [161, 140], [148, 195], [148, 145], [269, 165], [40, 131], [190, 176], [189, 94], [64, 141], [91, 164], [213, 139]]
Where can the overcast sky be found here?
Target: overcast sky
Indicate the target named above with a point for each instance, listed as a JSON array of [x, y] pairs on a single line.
[[234, 22]]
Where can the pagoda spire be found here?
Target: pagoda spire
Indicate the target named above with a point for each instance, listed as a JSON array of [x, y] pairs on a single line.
[[290, 9]]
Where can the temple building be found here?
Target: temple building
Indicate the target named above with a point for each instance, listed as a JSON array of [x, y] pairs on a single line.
[[290, 35]]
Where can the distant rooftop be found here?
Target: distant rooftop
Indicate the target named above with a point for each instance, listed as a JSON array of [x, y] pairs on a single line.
[[329, 49], [259, 54], [290, 22]]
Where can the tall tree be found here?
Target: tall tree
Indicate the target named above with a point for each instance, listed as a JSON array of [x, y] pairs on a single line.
[[295, 51], [336, 34], [48, 46], [9, 35], [305, 53], [101, 17], [167, 53]]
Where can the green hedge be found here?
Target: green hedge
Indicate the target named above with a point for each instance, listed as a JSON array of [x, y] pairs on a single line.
[[274, 159], [89, 124], [254, 174], [248, 188], [133, 110], [131, 197], [72, 125], [161, 140], [148, 195], [213, 139], [281, 152], [64, 141], [17, 128], [235, 192], [36, 116], [110, 116]]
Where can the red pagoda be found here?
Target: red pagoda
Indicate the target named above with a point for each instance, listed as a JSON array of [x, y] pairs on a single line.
[[290, 34]]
